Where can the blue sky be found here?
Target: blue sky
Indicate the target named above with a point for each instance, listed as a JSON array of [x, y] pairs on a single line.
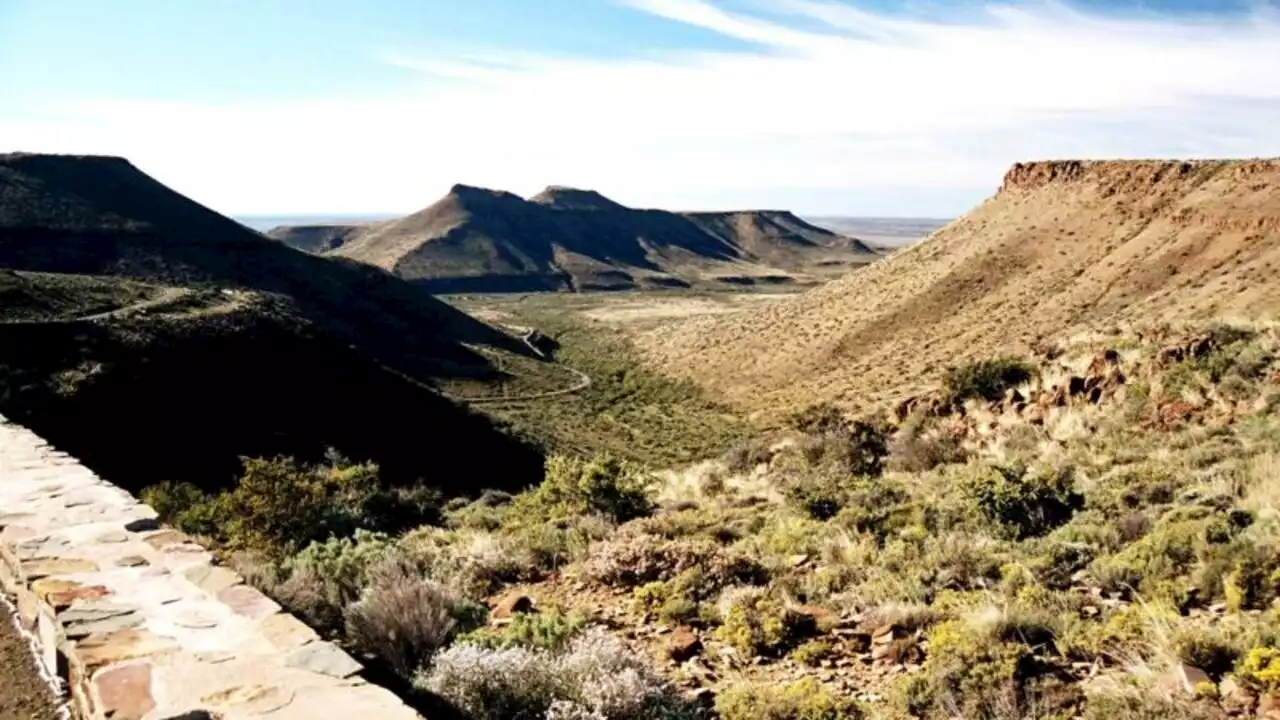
[[824, 106]]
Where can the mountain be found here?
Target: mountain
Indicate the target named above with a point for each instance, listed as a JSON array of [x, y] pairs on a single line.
[[161, 340], [1064, 247], [478, 240], [317, 239]]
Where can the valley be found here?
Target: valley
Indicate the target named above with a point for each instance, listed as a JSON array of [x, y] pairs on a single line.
[[541, 458]]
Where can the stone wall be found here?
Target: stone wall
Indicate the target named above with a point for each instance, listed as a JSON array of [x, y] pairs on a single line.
[[140, 622]]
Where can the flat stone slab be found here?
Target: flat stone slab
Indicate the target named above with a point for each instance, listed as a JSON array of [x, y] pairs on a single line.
[[150, 625]]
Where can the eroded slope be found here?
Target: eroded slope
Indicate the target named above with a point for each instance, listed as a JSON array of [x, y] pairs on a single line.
[[1063, 246]]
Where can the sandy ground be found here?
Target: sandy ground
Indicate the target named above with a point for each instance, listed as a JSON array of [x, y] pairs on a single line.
[[669, 308], [23, 694]]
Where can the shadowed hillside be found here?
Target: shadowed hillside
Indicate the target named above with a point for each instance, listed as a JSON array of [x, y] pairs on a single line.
[[478, 240], [1063, 247], [159, 340], [315, 238]]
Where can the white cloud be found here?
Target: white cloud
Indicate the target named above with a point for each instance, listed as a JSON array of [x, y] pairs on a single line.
[[864, 103]]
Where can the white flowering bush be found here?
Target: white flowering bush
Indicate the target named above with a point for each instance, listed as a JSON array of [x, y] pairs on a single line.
[[594, 678]]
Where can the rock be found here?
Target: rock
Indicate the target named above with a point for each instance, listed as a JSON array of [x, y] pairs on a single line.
[[1236, 698], [797, 561], [132, 561], [195, 621], [165, 538], [249, 699], [1269, 707], [1191, 676], [211, 578], [246, 601], [683, 644], [324, 658], [60, 594], [287, 631], [43, 567], [142, 525], [97, 618], [821, 619], [125, 691], [113, 647], [703, 697], [885, 634], [511, 604], [112, 537]]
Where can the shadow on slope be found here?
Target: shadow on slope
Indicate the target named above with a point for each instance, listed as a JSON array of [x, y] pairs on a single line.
[[102, 216], [184, 399]]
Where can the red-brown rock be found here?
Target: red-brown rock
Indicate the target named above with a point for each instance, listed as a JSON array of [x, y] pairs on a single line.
[[683, 644], [125, 691], [511, 604]]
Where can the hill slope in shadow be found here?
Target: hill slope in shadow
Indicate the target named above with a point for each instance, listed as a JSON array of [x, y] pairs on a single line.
[[236, 345]]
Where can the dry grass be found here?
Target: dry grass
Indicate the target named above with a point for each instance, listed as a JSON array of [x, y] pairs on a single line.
[[1114, 244]]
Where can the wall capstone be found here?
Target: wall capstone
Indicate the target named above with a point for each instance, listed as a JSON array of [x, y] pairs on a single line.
[[140, 622]]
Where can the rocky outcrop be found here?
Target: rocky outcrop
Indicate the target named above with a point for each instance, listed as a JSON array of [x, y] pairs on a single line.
[[138, 620]]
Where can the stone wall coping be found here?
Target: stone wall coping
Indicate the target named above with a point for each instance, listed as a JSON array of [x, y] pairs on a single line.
[[140, 622]]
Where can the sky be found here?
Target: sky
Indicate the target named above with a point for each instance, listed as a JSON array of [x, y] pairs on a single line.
[[825, 107]]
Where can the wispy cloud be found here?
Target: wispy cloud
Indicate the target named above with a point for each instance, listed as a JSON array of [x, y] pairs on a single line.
[[829, 97]]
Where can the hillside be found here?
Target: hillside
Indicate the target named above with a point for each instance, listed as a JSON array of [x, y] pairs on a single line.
[[1062, 248], [316, 239], [478, 240], [157, 340]]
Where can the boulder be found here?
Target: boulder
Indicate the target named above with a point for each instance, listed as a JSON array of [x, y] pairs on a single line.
[[1236, 698], [684, 644], [510, 605]]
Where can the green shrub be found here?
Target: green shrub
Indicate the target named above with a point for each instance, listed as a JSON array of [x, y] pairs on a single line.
[[604, 485], [1261, 668], [1251, 583], [681, 599], [321, 581], [819, 419], [1207, 649], [1023, 504], [968, 673], [757, 623], [985, 379], [185, 507], [548, 629], [813, 652], [1171, 550], [280, 505], [805, 699]]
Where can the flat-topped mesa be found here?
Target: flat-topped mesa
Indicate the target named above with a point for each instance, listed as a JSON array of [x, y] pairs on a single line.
[[1122, 173], [562, 197], [468, 194]]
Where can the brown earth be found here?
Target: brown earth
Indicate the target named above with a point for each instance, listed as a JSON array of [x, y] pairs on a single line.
[[23, 694], [478, 240], [1063, 248]]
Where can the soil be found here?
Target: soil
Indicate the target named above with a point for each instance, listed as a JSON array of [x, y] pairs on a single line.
[[24, 696]]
